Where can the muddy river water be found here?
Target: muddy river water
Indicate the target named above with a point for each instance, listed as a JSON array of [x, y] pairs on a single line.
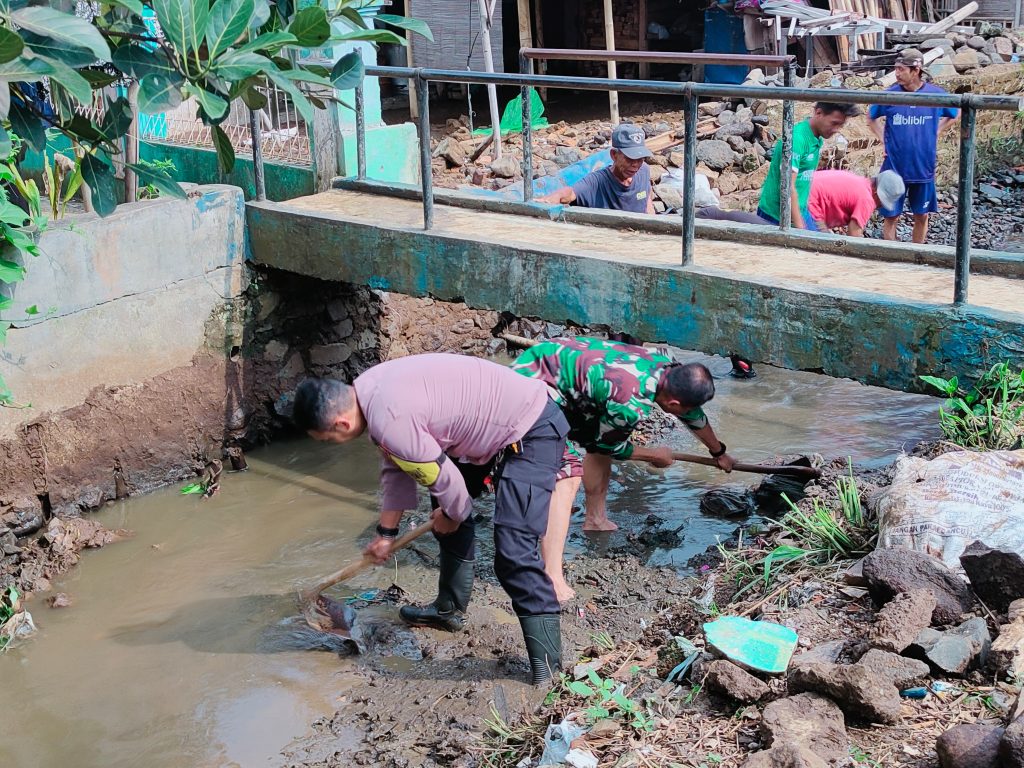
[[181, 646]]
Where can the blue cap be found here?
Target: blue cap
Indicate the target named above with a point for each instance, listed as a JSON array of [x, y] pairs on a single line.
[[629, 140]]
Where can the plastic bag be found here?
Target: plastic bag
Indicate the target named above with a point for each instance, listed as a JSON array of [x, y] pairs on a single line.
[[728, 502], [941, 506], [703, 195], [557, 742]]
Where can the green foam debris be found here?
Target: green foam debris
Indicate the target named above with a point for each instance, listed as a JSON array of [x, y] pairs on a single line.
[[761, 646]]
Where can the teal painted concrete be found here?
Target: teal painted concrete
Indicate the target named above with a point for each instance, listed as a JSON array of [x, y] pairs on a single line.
[[841, 333], [392, 154]]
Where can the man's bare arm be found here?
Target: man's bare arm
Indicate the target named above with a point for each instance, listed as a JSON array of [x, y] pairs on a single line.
[[562, 196], [876, 127]]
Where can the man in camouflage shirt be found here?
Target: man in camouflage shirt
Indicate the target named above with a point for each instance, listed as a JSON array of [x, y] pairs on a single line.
[[606, 389]]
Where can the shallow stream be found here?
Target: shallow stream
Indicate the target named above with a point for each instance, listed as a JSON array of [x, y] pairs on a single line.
[[181, 647]]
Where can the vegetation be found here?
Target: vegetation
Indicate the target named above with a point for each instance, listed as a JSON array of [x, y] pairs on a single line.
[[987, 416], [58, 69], [150, 191]]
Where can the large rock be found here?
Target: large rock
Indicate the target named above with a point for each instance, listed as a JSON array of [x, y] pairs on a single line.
[[901, 620], [977, 42], [802, 730], [965, 60], [744, 129], [942, 67], [728, 183], [715, 154], [1003, 46], [726, 117], [670, 194], [1007, 655], [996, 574], [970, 745], [567, 156], [505, 167], [898, 670], [1011, 748], [956, 650], [936, 42], [858, 691], [711, 109], [329, 354], [727, 679], [451, 151], [891, 571]]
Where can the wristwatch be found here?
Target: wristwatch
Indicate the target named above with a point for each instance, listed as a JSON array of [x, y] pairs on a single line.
[[721, 451], [386, 533]]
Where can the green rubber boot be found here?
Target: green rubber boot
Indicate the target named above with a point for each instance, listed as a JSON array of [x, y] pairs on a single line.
[[454, 587], [543, 636]]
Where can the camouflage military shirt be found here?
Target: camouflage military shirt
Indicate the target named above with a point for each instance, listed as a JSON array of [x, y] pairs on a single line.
[[605, 388]]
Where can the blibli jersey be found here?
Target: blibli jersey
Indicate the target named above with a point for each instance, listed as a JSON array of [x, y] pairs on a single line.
[[911, 136]]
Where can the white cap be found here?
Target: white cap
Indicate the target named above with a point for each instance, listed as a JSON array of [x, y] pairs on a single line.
[[890, 188]]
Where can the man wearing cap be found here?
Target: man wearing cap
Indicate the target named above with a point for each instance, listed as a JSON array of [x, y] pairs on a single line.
[[844, 199], [625, 185], [910, 136]]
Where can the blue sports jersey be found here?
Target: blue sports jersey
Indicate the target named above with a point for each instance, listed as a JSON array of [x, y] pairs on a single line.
[[911, 136]]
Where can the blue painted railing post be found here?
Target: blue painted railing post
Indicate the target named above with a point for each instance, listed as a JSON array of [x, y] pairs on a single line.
[[255, 135], [426, 173], [786, 155], [689, 173], [360, 133], [964, 203]]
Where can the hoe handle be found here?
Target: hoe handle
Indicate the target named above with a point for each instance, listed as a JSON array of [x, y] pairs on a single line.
[[808, 473]]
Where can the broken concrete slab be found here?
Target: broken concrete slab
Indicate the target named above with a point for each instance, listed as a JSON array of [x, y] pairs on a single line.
[[858, 691], [1011, 746], [892, 571], [901, 620], [969, 745], [725, 678], [802, 730], [956, 650], [996, 574]]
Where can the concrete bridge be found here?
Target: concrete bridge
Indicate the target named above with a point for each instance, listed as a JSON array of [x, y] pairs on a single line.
[[872, 311]]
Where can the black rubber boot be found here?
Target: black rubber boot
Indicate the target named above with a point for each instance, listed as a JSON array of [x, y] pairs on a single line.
[[454, 587], [543, 636]]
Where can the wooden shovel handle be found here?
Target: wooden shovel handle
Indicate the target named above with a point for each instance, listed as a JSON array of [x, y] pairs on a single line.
[[361, 565], [809, 473]]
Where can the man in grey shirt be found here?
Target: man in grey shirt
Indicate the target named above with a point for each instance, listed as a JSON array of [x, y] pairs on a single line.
[[625, 185]]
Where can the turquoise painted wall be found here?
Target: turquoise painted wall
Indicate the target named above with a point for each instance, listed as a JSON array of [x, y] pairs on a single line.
[[392, 154]]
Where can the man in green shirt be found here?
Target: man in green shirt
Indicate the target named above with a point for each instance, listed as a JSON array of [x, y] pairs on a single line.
[[808, 136]]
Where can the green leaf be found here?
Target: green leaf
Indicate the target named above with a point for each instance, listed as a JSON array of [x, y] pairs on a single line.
[[595, 678], [298, 97], [28, 127], [64, 27], [97, 78], [238, 66], [12, 214], [11, 272], [138, 62], [159, 93], [135, 6], [370, 36], [73, 55], [225, 152], [100, 178], [33, 310], [254, 98], [311, 27], [416, 26], [260, 14], [159, 178], [353, 16], [303, 75], [117, 119], [940, 384], [348, 71], [25, 70], [6, 145], [179, 19], [213, 105], [193, 488], [228, 20], [74, 83], [581, 689], [269, 43], [11, 45]]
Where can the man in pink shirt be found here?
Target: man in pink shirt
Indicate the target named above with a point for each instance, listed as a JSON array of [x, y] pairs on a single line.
[[446, 422], [844, 199]]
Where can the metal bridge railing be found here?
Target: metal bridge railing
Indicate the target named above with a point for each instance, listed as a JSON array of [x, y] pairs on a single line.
[[690, 93]]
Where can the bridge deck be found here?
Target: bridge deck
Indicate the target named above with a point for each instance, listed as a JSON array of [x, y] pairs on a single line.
[[806, 269]]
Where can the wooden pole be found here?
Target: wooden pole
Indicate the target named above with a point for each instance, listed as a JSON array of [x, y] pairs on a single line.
[[131, 146], [538, 20], [609, 41], [641, 38], [492, 90]]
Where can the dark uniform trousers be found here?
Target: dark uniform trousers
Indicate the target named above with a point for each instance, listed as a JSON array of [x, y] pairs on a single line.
[[524, 479]]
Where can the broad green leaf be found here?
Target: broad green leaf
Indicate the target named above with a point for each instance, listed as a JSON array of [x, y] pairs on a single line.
[[158, 178], [940, 384], [417, 26], [159, 93], [74, 83], [6, 303], [6, 146], [353, 16], [97, 78], [302, 75], [581, 689], [177, 21], [254, 99], [100, 178], [311, 27], [64, 27], [12, 214], [236, 66], [260, 13], [284, 9], [33, 310], [135, 6], [369, 36], [271, 42], [11, 45], [28, 127], [225, 152], [214, 106], [25, 70], [136, 61], [73, 55], [117, 119], [348, 71], [11, 272], [73, 184], [228, 20], [298, 97]]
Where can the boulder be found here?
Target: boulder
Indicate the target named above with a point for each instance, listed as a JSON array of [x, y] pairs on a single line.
[[715, 154], [977, 42], [942, 67], [1007, 655], [807, 724], [892, 571], [828, 653], [898, 670], [505, 167], [677, 159], [744, 129], [858, 691], [1011, 747], [1003, 46], [901, 620], [935, 42], [567, 156], [451, 151], [725, 678], [983, 59], [728, 183], [954, 651], [996, 574], [969, 745], [703, 169], [710, 109], [785, 756], [726, 117], [966, 59], [657, 172], [329, 354], [670, 194], [737, 143]]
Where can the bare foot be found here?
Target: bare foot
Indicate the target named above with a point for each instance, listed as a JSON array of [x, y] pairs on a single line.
[[599, 524]]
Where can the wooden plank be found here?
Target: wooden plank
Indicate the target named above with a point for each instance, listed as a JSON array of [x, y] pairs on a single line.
[[525, 27], [954, 18], [609, 41], [644, 70]]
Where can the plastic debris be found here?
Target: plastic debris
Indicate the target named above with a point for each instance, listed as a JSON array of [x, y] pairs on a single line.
[[914, 693], [579, 758], [941, 686], [679, 670], [760, 646], [15, 622], [557, 741]]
